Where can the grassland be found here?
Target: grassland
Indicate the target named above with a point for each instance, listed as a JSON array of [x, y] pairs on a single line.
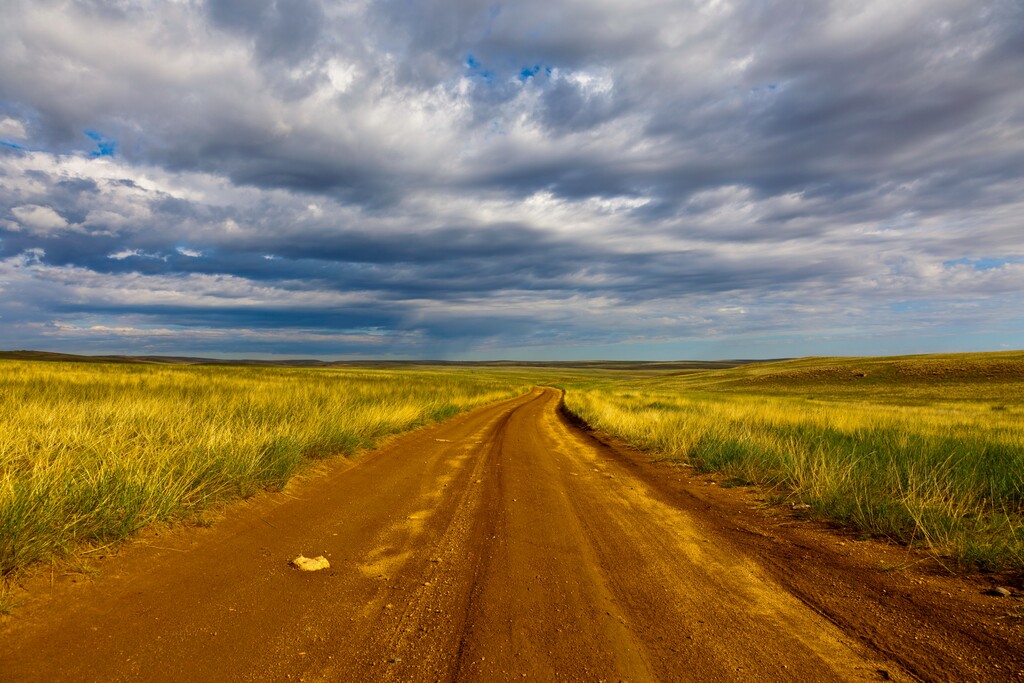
[[926, 450], [92, 452]]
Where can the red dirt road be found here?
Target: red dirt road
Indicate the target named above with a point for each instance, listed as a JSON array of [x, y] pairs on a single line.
[[505, 544]]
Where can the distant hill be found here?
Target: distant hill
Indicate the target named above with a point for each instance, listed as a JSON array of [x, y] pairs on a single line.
[[312, 362]]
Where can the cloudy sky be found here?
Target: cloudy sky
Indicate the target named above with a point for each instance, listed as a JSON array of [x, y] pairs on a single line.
[[531, 179]]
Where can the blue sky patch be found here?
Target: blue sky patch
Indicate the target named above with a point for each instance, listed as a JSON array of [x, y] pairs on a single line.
[[529, 72], [477, 69], [105, 147], [984, 263], [764, 89]]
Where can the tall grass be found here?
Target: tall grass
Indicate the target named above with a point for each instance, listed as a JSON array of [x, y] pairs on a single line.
[[92, 452], [946, 471]]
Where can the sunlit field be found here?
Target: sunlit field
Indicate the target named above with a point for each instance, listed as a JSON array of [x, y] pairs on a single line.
[[926, 450], [92, 452]]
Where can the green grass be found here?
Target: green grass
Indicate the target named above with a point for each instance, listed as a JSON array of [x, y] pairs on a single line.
[[925, 450], [91, 453]]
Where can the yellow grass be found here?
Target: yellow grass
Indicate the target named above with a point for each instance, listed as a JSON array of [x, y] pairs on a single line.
[[92, 452], [925, 450]]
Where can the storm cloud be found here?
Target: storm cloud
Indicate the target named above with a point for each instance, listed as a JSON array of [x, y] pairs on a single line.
[[554, 179]]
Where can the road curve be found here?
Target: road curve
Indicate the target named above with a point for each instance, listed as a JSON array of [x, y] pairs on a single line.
[[500, 545]]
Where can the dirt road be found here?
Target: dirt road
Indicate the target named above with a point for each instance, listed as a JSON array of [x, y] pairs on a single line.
[[504, 544]]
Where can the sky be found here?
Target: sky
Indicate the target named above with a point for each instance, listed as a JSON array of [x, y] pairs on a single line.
[[539, 179]]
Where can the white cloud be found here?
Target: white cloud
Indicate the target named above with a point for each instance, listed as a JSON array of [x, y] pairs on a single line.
[[130, 253], [41, 220], [12, 129], [123, 254]]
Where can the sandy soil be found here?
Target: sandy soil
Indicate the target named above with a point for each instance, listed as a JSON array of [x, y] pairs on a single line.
[[508, 544]]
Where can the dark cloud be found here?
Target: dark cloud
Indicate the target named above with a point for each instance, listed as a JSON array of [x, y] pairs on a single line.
[[288, 30], [470, 177]]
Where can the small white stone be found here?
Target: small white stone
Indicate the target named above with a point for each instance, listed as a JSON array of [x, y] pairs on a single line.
[[310, 564]]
